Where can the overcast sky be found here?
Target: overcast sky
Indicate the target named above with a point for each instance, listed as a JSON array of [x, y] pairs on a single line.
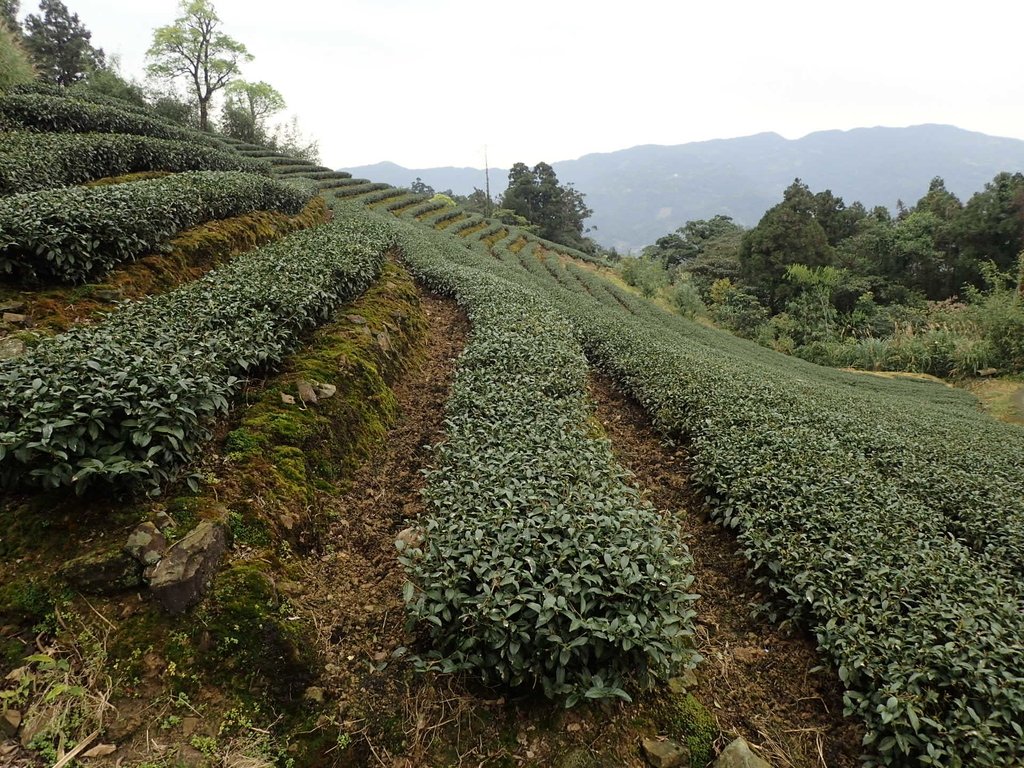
[[431, 82]]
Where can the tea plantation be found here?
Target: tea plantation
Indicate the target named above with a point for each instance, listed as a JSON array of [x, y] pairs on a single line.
[[885, 517]]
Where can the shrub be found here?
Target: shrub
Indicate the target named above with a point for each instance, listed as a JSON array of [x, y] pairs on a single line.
[[129, 400], [73, 234], [540, 566], [31, 162], [64, 114]]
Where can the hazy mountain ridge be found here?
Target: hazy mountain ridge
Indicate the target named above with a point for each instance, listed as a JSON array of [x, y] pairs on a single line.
[[641, 193]]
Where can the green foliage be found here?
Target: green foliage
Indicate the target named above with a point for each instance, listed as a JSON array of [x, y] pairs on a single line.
[[888, 516], [73, 234], [789, 233], [647, 275], [71, 114], [31, 162], [685, 297], [736, 309], [540, 566], [15, 66], [59, 44], [558, 211], [246, 109], [692, 240], [195, 49], [129, 400]]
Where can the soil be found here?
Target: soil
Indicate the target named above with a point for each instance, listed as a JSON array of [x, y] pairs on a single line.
[[354, 589], [762, 682]]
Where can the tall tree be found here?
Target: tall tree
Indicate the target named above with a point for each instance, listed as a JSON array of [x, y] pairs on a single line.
[[991, 226], [789, 233], [195, 48], [15, 64], [247, 107], [558, 211], [59, 44], [9, 15]]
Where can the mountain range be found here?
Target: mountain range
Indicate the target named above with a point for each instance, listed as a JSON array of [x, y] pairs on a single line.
[[642, 193]]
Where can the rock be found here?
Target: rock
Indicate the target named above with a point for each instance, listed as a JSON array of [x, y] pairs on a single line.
[[324, 391], [102, 572], [314, 694], [988, 371], [357, 319], [664, 753], [738, 755], [12, 306], [189, 725], [181, 578], [410, 538], [683, 683], [11, 347], [14, 318], [287, 399], [10, 722], [306, 392], [384, 341], [146, 544], [107, 294]]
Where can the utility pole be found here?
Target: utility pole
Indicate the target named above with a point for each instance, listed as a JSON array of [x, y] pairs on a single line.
[[487, 181]]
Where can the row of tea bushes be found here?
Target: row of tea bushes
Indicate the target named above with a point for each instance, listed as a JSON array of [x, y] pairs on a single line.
[[130, 400], [76, 233], [64, 114], [886, 515], [540, 565], [33, 161]]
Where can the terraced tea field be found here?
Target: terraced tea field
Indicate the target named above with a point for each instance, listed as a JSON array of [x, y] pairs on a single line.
[[305, 469]]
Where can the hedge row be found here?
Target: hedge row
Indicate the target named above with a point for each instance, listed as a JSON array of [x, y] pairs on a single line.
[[62, 114], [888, 516], [130, 400], [540, 566], [76, 233], [30, 162], [81, 92], [359, 189]]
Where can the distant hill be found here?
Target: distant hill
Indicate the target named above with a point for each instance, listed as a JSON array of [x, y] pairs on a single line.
[[641, 193]]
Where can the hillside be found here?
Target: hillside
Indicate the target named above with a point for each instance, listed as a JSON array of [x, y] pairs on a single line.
[[303, 469], [639, 194]]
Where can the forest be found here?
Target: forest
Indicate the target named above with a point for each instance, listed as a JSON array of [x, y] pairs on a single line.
[[935, 288]]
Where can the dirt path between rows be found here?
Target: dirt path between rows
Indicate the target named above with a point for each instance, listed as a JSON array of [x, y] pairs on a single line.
[[758, 680], [354, 590]]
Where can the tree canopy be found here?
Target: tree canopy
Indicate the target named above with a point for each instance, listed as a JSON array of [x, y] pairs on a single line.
[[59, 44], [194, 48], [558, 211], [246, 109]]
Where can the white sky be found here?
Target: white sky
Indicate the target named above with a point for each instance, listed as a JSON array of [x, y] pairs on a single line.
[[430, 82]]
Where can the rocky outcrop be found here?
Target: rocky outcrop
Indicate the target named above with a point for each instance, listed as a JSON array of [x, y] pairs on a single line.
[[181, 578]]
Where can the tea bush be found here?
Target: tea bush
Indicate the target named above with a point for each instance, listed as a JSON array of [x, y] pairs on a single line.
[[64, 114], [33, 161], [888, 516], [76, 233], [540, 565], [130, 400]]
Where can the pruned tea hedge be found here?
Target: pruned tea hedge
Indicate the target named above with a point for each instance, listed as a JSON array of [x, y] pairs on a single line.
[[76, 233]]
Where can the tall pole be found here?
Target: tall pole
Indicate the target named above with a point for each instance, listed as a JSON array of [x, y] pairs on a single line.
[[487, 181]]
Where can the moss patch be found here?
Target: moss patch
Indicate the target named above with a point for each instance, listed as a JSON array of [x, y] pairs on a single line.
[[687, 721], [252, 644]]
